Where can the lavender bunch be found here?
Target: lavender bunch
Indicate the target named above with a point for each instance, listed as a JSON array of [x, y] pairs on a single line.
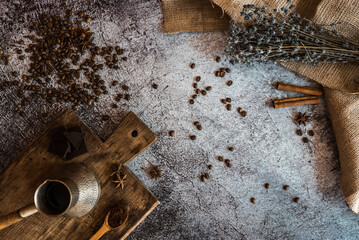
[[281, 35]]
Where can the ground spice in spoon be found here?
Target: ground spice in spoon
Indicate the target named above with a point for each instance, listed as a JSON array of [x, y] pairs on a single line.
[[117, 217]]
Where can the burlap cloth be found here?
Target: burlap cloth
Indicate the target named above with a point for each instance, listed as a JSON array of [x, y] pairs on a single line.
[[340, 82]]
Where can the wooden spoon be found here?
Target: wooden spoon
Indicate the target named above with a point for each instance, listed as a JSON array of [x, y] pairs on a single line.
[[106, 226]]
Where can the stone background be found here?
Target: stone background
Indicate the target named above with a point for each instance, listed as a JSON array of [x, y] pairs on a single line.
[[266, 146]]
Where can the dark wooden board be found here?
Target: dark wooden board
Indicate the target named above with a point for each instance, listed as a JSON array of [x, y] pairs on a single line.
[[20, 180]]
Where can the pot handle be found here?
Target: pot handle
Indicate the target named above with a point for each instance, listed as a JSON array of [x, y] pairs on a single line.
[[17, 216]]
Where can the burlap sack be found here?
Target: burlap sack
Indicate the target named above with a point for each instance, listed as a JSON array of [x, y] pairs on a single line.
[[340, 81], [192, 16]]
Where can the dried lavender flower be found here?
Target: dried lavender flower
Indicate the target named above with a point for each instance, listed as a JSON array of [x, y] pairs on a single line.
[[282, 36]]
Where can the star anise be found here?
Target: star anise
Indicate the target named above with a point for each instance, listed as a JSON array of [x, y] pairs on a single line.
[[302, 118], [120, 180], [155, 172], [118, 170]]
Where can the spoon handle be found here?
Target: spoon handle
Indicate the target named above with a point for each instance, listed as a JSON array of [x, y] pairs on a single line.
[[104, 229], [17, 216]]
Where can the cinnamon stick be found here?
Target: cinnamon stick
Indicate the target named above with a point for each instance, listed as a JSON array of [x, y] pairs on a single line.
[[299, 89], [290, 102]]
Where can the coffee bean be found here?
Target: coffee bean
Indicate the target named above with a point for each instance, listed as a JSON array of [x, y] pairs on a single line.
[[199, 127], [202, 177], [305, 140], [114, 83], [209, 88], [230, 149], [296, 199], [195, 85], [125, 87], [229, 107], [299, 132], [229, 83], [192, 137], [210, 167], [227, 70], [191, 101], [253, 200], [154, 85], [218, 59], [243, 113], [192, 65], [226, 161], [204, 92], [197, 78], [206, 175], [285, 187], [229, 100], [171, 133], [220, 158], [266, 185], [311, 133]]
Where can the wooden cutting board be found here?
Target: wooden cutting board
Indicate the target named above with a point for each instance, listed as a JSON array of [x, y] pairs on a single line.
[[20, 180]]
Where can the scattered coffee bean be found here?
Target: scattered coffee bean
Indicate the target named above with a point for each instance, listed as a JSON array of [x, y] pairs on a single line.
[[1, 51], [114, 83], [191, 101], [253, 200], [125, 87], [224, 101], [206, 175], [218, 59], [266, 185], [299, 132], [305, 140], [22, 57], [226, 161], [204, 92], [114, 105], [220, 158], [230, 149], [195, 85], [296, 199], [285, 187], [227, 70], [154, 85], [229, 165], [15, 74], [229, 107], [210, 167], [243, 113], [9, 57], [197, 78], [202, 177], [217, 73], [311, 133], [196, 123], [198, 91], [199, 127], [208, 88], [127, 97], [239, 109], [88, 19], [192, 65], [229, 83], [229, 100], [192, 137], [194, 96], [171, 133]]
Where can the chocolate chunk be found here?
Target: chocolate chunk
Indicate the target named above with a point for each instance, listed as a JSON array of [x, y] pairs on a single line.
[[59, 148], [75, 138], [75, 153]]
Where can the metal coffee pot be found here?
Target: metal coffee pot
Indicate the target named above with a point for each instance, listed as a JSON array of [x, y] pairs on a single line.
[[75, 193]]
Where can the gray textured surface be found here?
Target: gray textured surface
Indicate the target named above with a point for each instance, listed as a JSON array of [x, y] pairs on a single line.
[[266, 147]]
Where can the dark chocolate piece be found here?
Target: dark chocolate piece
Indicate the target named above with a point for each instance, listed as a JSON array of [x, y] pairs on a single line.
[[59, 148], [75, 138]]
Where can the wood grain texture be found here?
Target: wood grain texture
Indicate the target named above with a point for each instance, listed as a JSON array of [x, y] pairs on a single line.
[[20, 180]]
